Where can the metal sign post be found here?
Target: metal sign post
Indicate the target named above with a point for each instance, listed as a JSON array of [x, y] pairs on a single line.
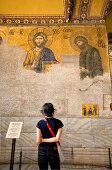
[[12, 153], [13, 132]]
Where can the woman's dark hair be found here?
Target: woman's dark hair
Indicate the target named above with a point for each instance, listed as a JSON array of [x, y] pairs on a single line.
[[48, 109]]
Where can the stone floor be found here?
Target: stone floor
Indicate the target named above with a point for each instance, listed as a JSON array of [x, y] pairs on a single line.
[[63, 167]]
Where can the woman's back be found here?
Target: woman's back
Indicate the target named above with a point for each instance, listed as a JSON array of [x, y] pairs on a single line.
[[55, 125]]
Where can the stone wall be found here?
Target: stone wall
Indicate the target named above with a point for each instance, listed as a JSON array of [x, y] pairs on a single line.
[[85, 140]]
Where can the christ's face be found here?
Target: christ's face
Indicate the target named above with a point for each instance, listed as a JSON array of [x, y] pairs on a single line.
[[39, 41]]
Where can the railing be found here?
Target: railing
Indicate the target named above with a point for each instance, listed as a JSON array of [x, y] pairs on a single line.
[[71, 155], [110, 164], [74, 156]]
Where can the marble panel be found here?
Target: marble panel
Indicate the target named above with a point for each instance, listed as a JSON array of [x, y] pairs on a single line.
[[79, 125], [101, 126]]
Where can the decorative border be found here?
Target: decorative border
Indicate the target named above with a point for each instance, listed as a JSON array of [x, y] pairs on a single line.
[[15, 20], [68, 17], [65, 2], [104, 9], [83, 10], [108, 8], [48, 22]]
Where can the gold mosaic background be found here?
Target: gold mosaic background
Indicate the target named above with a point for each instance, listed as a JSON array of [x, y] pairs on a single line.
[[60, 39]]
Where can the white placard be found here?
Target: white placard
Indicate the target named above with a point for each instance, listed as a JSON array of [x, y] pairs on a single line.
[[14, 130]]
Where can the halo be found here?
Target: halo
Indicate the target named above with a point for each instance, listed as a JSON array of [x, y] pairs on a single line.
[[48, 32], [76, 34], [3, 35]]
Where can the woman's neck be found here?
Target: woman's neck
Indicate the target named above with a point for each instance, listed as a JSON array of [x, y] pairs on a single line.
[[48, 117]]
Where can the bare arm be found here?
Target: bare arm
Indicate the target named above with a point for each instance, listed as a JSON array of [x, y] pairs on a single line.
[[54, 139], [39, 138]]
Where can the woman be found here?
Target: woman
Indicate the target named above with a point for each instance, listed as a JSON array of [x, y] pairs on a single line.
[[47, 148]]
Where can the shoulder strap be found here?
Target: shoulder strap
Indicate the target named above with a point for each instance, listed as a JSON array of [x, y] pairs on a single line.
[[50, 129]]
